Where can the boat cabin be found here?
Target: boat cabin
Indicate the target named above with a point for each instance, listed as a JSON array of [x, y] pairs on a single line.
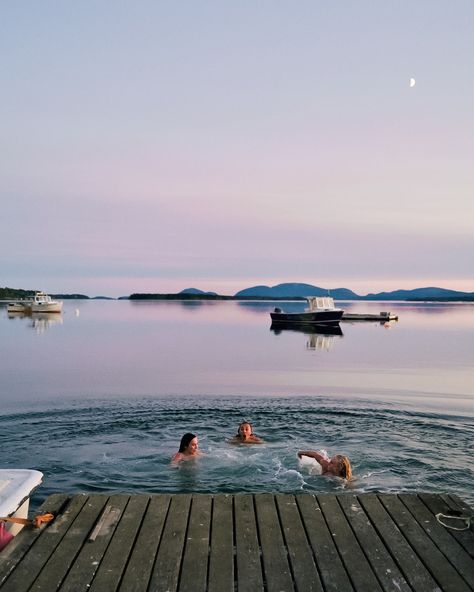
[[316, 303]]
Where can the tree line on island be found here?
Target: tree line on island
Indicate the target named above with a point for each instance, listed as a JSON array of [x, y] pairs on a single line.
[[286, 291]]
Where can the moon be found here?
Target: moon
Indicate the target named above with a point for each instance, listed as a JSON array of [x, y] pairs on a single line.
[[412, 82]]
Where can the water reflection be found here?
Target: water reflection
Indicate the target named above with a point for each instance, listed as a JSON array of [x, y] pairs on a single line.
[[166, 349], [186, 304], [319, 336], [39, 321]]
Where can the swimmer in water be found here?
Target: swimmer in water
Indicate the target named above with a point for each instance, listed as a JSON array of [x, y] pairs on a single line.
[[188, 448], [245, 435], [338, 465]]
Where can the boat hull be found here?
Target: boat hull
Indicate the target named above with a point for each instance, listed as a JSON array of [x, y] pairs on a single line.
[[307, 328], [320, 317], [18, 307], [47, 307]]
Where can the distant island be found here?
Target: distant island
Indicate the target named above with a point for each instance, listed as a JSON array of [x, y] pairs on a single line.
[[17, 294], [287, 291], [299, 291]]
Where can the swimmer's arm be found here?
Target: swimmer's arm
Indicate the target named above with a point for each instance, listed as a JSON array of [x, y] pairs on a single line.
[[177, 457], [316, 455]]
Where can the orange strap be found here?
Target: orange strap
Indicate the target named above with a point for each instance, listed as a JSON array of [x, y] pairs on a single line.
[[36, 522]]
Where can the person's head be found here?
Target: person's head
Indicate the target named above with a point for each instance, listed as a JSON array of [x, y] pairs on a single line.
[[341, 466], [245, 430], [189, 443]]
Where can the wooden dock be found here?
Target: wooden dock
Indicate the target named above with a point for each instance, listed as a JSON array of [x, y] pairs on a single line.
[[243, 542], [382, 317]]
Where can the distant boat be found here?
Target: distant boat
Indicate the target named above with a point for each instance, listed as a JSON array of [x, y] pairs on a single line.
[[20, 306], [321, 311], [44, 303], [41, 302]]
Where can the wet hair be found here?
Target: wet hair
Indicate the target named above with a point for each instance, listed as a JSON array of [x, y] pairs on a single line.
[[344, 466], [242, 423], [185, 441]]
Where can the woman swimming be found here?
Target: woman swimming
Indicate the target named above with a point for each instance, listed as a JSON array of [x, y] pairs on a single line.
[[338, 465], [188, 448], [245, 435]]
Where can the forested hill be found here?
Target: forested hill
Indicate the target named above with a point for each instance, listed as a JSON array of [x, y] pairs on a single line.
[[280, 292], [296, 290], [13, 294], [16, 294]]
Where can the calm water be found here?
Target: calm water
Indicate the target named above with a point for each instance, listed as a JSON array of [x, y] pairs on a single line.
[[99, 397]]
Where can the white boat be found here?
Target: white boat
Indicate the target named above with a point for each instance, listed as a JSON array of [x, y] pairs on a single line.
[[16, 486], [41, 302], [44, 303]]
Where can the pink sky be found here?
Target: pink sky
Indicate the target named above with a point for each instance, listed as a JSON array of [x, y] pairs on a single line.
[[231, 145]]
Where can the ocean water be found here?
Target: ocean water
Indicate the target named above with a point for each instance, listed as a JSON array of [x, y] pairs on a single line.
[[99, 398]]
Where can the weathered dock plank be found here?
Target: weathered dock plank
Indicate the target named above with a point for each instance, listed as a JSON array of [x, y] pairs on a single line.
[[383, 565], [249, 572], [221, 552], [328, 560], [118, 551], [303, 566], [61, 561], [275, 562], [441, 537], [445, 574], [242, 543], [352, 555], [437, 505], [142, 558], [165, 575], [416, 574], [195, 558], [96, 540], [381, 317]]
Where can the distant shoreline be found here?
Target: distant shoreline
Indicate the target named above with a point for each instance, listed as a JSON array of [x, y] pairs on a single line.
[[184, 298], [294, 292], [140, 297]]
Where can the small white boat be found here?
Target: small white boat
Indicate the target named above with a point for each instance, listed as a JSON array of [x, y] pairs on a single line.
[[44, 303], [16, 486]]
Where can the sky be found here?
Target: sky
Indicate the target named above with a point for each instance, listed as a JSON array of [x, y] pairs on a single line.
[[155, 146]]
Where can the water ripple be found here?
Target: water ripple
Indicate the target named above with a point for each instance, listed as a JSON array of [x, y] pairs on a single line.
[[126, 445]]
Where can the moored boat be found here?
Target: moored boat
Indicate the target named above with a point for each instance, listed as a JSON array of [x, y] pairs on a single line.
[[44, 303], [41, 302], [321, 310], [19, 306]]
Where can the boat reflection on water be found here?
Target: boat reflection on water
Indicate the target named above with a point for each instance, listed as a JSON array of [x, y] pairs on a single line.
[[39, 321], [319, 336]]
